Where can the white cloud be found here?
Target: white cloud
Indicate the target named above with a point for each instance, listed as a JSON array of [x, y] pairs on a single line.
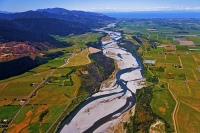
[[111, 9], [125, 9], [197, 8]]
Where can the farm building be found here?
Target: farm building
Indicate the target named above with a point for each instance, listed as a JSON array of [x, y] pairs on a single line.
[[5, 121], [149, 62]]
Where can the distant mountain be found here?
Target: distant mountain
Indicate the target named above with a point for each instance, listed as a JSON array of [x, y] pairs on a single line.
[[37, 26], [89, 18], [10, 31], [47, 26], [63, 13], [55, 10], [5, 12]]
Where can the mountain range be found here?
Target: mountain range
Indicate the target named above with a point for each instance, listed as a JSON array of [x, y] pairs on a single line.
[[37, 26]]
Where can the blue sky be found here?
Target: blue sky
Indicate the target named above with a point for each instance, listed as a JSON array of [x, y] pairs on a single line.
[[100, 5]]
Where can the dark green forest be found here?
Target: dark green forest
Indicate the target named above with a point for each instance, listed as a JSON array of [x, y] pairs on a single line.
[[99, 70], [19, 66]]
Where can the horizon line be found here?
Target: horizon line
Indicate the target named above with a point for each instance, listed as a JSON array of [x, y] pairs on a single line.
[[108, 11]]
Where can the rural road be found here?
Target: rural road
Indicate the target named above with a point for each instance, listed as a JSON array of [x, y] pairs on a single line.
[[158, 123], [61, 115], [180, 61], [74, 51], [29, 97], [67, 60], [175, 109]]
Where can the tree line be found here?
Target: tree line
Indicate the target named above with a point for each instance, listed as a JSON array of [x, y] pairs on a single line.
[[24, 64]]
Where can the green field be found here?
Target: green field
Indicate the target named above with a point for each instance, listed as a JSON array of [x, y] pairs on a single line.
[[67, 49], [196, 40], [79, 59], [185, 89], [8, 112], [163, 103], [80, 40], [20, 88], [57, 62]]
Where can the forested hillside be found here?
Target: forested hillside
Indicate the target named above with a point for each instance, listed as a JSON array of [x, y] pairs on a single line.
[[40, 25], [19, 66]]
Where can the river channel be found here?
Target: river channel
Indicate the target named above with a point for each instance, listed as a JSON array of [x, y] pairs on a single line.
[[106, 107]]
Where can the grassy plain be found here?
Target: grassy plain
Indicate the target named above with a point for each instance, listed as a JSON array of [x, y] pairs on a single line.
[[196, 39], [163, 103], [20, 88], [79, 59], [67, 49], [8, 111], [52, 63], [80, 40]]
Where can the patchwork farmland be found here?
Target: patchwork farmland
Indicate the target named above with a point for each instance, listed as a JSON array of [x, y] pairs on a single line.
[[39, 97], [175, 76]]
